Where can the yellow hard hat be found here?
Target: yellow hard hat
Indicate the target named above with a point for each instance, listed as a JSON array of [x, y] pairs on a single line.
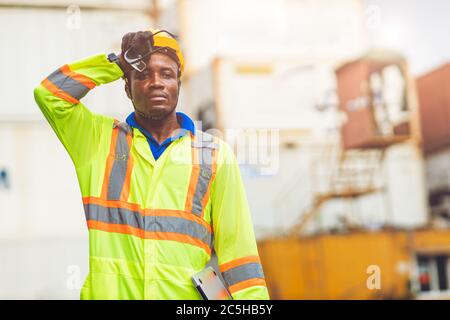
[[165, 39]]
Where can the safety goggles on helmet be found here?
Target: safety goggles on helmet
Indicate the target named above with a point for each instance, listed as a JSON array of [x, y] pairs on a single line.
[[135, 59]]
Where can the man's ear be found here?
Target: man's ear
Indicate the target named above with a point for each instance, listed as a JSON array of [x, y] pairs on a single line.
[[127, 89]]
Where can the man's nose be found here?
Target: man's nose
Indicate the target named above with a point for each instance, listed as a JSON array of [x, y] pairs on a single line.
[[155, 81]]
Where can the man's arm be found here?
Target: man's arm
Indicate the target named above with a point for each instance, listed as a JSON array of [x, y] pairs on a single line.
[[58, 96], [234, 239]]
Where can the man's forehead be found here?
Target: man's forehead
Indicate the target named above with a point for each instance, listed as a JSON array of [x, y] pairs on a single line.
[[161, 60]]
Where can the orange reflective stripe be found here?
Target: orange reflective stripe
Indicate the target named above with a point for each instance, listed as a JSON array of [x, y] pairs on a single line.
[[179, 238], [127, 229], [58, 92], [77, 76], [111, 203], [110, 162], [194, 178], [247, 284], [147, 212], [237, 262], [118, 228], [126, 186]]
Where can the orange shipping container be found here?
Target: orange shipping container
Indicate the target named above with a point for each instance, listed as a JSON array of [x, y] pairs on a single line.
[[434, 99], [373, 93], [346, 266]]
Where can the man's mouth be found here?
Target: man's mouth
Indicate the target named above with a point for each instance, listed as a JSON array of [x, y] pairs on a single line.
[[157, 99]]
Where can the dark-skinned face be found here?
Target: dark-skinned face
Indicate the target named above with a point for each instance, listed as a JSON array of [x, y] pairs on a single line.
[[155, 91]]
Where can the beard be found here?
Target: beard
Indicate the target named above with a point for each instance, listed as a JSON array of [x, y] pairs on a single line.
[[156, 115]]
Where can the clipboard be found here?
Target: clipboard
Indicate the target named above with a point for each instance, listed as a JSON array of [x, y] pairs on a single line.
[[210, 286]]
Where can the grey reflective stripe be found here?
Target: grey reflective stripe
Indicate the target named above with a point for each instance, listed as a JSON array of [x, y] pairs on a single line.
[[210, 145], [119, 169], [178, 225], [71, 86], [124, 126], [113, 215], [205, 148], [244, 272], [148, 223], [203, 181]]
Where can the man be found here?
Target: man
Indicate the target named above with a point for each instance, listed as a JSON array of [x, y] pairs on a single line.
[[158, 194]]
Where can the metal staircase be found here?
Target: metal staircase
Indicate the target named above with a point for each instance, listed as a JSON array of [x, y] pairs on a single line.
[[348, 174]]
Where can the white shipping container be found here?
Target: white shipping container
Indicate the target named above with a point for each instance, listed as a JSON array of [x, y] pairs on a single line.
[[280, 200], [277, 200], [438, 183], [438, 170], [294, 95], [50, 38], [43, 235], [42, 197], [406, 184], [284, 94], [401, 202], [43, 268], [102, 4], [269, 28]]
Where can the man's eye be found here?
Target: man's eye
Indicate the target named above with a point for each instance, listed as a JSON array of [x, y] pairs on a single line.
[[143, 74]]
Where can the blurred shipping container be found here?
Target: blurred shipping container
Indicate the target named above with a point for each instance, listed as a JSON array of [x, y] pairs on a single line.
[[386, 264], [269, 28], [434, 98], [285, 94], [311, 173], [284, 85], [89, 4], [40, 208], [375, 93], [363, 217], [40, 214], [273, 71], [361, 188], [279, 111], [438, 183], [42, 197], [81, 31], [45, 267]]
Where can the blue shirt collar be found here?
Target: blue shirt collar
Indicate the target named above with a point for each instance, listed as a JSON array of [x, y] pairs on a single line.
[[186, 124]]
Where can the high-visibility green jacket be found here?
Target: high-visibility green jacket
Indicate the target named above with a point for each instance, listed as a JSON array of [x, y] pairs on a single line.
[[152, 224]]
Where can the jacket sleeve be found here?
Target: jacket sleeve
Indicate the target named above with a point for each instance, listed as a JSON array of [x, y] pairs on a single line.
[[58, 96], [234, 239]]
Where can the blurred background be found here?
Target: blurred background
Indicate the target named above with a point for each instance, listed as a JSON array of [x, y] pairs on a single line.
[[338, 110]]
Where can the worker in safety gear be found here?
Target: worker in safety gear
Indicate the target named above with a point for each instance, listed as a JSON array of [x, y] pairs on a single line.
[[159, 195]]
